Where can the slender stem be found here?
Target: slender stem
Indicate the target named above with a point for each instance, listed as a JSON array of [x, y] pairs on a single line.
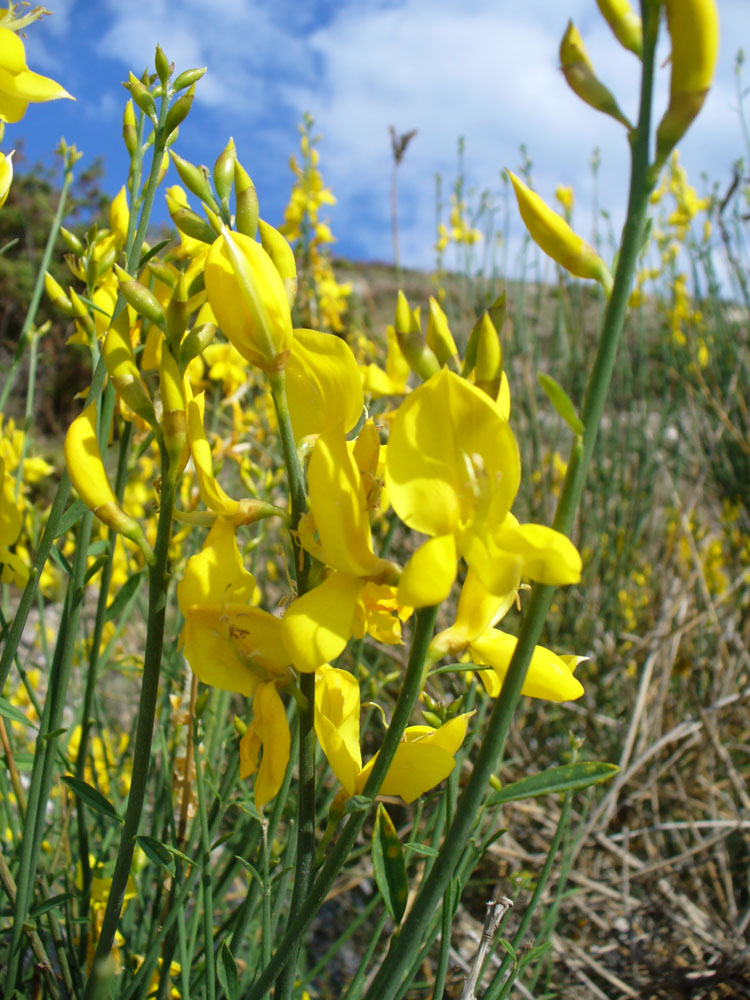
[[386, 982], [304, 870], [425, 623], [157, 604], [208, 908], [46, 748]]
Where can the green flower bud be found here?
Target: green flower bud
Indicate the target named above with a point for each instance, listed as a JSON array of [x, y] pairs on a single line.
[[195, 180], [179, 111], [142, 97], [195, 342], [224, 173], [188, 78], [192, 225], [142, 299], [164, 68], [246, 202], [72, 241]]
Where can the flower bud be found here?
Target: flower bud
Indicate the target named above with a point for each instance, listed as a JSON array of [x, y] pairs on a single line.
[[72, 241], [421, 358], [192, 225], [119, 216], [282, 255], [142, 97], [178, 311], [142, 299], [439, 337], [693, 26], [246, 202], [582, 80], [173, 420], [224, 173], [248, 298], [57, 296], [488, 364], [119, 361], [82, 315], [179, 111], [553, 234], [626, 25], [86, 469], [188, 77], [195, 179], [196, 341], [164, 68]]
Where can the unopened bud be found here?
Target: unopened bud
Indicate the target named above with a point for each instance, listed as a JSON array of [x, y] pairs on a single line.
[[56, 295], [224, 173], [582, 79], [245, 201], [142, 97], [129, 130], [142, 299], [195, 179], [624, 22], [72, 241], [192, 225], [188, 78], [553, 234], [164, 68], [439, 337], [119, 360], [196, 341], [421, 358], [179, 111], [282, 255]]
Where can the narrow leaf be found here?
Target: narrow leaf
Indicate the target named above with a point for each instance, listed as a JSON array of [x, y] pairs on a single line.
[[252, 869], [49, 904], [93, 798], [151, 252], [11, 712], [388, 865], [124, 595], [561, 402], [425, 849], [566, 778], [226, 970], [157, 852], [71, 516]]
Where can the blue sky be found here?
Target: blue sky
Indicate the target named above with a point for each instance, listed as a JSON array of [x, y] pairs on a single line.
[[484, 69]]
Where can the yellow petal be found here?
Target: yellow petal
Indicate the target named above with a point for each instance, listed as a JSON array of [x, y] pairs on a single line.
[[212, 653], [272, 729], [452, 459], [212, 494], [416, 768], [323, 384], [317, 626], [337, 707], [215, 575], [548, 677], [429, 574], [547, 555]]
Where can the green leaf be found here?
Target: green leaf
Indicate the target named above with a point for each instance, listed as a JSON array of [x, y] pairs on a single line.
[[11, 712], [561, 402], [252, 869], [123, 598], [71, 516], [152, 252], [49, 904], [61, 561], [226, 970], [157, 852], [426, 850], [94, 568], [507, 946], [566, 778], [93, 798], [388, 865]]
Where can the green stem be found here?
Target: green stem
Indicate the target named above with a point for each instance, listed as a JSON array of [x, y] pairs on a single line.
[[305, 865], [157, 605], [208, 907], [386, 982], [46, 748], [301, 920]]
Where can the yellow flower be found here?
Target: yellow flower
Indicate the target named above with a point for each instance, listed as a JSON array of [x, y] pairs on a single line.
[[323, 385], [453, 469], [18, 85], [624, 22], [248, 298], [422, 760], [582, 79], [228, 643]]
